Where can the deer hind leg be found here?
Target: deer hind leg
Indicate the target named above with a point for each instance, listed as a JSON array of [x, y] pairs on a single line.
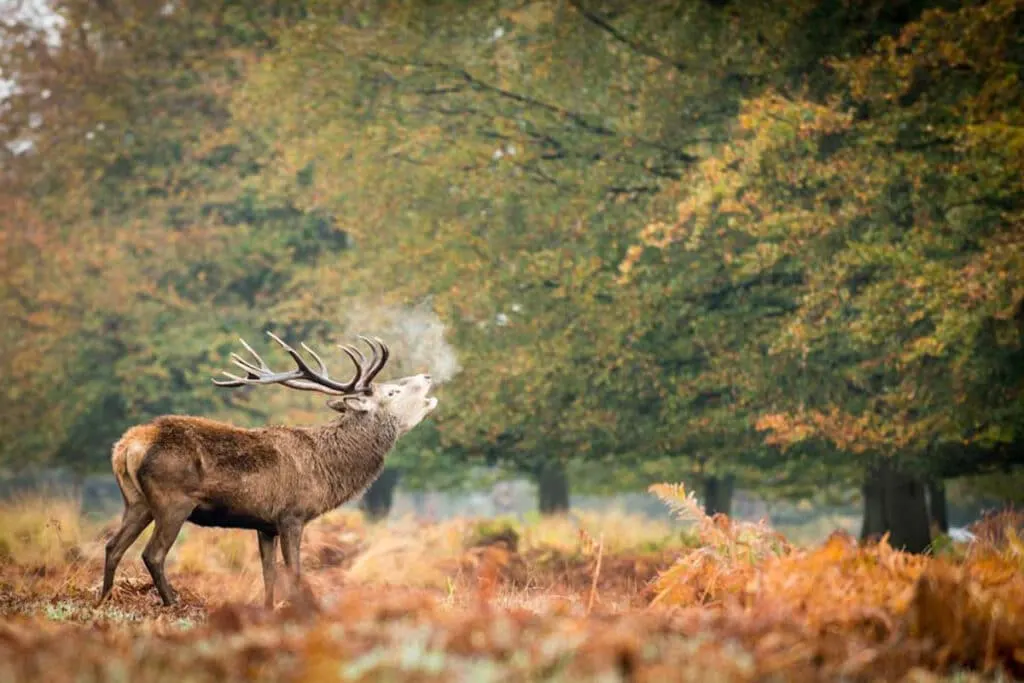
[[135, 519], [268, 545], [168, 523]]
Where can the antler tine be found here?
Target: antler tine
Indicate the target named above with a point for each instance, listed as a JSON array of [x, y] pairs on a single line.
[[319, 360], [299, 360], [353, 348], [376, 356], [374, 361], [253, 373], [359, 366], [250, 369], [377, 364], [349, 349], [254, 354], [385, 351], [235, 380], [241, 362]]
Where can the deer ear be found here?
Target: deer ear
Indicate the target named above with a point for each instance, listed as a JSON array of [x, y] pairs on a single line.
[[358, 404]]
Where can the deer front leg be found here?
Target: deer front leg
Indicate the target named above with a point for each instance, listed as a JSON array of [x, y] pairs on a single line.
[[291, 538], [268, 544]]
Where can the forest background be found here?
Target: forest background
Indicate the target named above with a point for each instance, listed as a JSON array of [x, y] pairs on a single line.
[[764, 247]]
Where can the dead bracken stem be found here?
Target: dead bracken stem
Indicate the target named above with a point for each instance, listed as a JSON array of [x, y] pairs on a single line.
[[597, 573]]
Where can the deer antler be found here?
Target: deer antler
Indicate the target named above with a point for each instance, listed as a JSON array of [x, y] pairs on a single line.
[[376, 363], [304, 377]]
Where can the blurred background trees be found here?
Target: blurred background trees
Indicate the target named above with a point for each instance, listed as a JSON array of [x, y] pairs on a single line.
[[775, 247]]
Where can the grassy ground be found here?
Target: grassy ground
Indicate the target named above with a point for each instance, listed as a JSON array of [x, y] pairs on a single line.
[[595, 597]]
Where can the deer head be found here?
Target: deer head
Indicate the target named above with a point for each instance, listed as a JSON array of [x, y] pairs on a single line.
[[405, 399]]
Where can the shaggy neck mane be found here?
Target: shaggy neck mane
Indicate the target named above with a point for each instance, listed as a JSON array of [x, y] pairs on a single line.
[[349, 453]]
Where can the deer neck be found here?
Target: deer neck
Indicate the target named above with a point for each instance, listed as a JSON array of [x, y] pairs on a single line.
[[350, 454]]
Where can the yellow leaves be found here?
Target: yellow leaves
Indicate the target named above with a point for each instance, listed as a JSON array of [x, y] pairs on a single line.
[[966, 611], [773, 115], [725, 191], [785, 430], [1014, 547], [837, 584], [43, 318], [531, 16], [883, 432], [981, 38], [731, 205], [974, 617], [924, 346], [659, 235]]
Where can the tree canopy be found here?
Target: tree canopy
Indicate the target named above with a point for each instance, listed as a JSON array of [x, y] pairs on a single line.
[[774, 244]]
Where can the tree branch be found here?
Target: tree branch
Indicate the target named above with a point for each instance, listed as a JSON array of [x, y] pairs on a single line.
[[604, 25], [576, 118]]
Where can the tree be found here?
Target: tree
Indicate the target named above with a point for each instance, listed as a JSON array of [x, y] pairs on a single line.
[[528, 184], [892, 199], [148, 253], [241, 167]]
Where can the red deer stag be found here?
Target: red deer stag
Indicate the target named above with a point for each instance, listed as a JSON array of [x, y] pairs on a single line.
[[273, 480]]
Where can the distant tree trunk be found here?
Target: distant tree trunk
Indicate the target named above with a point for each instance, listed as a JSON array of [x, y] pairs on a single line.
[[873, 524], [895, 502], [376, 502], [552, 488], [937, 507], [718, 494]]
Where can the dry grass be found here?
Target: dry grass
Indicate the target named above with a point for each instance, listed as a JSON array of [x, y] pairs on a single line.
[[409, 553], [623, 532], [497, 600], [42, 533]]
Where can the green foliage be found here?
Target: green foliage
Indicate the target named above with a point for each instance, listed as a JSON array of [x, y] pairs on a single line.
[[830, 265], [495, 529], [144, 253], [530, 155], [894, 220]]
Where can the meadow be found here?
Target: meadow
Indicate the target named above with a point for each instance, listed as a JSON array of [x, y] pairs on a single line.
[[588, 596]]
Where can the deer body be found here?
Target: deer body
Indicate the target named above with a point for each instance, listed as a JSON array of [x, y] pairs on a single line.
[[273, 480]]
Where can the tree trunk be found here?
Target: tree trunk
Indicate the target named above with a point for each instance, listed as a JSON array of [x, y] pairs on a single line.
[[376, 501], [718, 494], [937, 507], [873, 524], [895, 502], [553, 488]]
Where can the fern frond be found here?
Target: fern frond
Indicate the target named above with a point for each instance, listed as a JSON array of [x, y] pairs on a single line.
[[683, 504]]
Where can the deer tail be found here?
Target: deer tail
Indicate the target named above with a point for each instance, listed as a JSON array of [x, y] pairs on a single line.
[[126, 458]]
